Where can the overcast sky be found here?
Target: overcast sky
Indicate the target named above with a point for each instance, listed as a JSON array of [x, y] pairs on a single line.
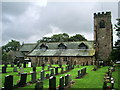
[[29, 22]]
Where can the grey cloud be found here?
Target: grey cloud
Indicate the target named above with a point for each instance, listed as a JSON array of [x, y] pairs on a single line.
[[69, 17]]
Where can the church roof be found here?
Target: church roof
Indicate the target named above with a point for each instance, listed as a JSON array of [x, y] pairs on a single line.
[[72, 49], [27, 47]]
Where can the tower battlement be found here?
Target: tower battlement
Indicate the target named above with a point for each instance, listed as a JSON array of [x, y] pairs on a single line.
[[101, 14]]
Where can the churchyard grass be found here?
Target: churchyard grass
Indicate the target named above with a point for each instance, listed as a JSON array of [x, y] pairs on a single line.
[[93, 79], [27, 70]]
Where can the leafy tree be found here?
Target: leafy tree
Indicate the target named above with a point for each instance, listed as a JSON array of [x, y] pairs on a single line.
[[63, 38], [12, 45], [115, 54], [77, 37]]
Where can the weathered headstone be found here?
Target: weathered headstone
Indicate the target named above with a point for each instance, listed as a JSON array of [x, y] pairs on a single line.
[[15, 69], [33, 77], [21, 70], [66, 80], [42, 75], [47, 75], [56, 70], [78, 73], [4, 69], [62, 69], [8, 84], [52, 83], [24, 64], [12, 64], [29, 64], [48, 68], [52, 72], [43, 65], [23, 79], [34, 69], [39, 85], [61, 83]]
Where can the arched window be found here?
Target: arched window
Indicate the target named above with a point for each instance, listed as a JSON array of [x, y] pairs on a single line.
[[82, 46], [62, 46], [102, 24], [43, 46]]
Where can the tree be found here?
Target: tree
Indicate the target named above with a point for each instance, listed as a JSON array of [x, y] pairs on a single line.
[[115, 54], [77, 37], [12, 45], [63, 38]]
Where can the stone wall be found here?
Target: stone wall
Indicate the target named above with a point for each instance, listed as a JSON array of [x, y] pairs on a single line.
[[103, 36], [63, 60]]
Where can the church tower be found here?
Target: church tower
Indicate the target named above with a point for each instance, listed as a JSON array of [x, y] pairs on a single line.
[[103, 38]]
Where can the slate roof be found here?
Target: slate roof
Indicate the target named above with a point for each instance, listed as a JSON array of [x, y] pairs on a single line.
[[72, 49], [28, 47], [19, 54]]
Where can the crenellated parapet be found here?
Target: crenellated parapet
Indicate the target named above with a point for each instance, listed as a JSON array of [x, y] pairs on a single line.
[[102, 14]]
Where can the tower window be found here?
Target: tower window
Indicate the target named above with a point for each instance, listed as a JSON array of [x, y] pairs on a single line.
[[43, 46], [102, 24]]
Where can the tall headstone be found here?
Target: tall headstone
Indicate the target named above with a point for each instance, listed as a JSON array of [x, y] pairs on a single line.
[[56, 70], [4, 69], [62, 69], [24, 64], [33, 77], [66, 79], [8, 85], [52, 72], [34, 69], [49, 68], [23, 79], [42, 75], [52, 83], [61, 83], [15, 69], [39, 85]]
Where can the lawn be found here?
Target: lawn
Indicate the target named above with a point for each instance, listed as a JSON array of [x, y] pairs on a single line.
[[93, 79]]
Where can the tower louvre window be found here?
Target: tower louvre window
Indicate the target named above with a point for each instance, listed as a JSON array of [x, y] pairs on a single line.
[[102, 24]]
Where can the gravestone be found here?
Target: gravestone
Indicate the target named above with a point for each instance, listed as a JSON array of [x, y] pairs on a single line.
[[112, 84], [42, 75], [56, 70], [33, 77], [66, 79], [15, 69], [52, 72], [52, 83], [47, 75], [62, 69], [24, 64], [8, 84], [61, 83], [34, 69], [12, 64], [29, 64], [104, 85], [21, 70], [78, 73], [39, 85], [4, 69], [48, 68], [23, 79], [43, 65]]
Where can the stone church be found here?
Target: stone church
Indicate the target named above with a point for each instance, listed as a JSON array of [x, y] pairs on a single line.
[[75, 52]]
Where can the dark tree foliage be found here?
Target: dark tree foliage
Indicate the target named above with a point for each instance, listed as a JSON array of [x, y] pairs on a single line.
[[115, 54], [12, 45], [63, 38]]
